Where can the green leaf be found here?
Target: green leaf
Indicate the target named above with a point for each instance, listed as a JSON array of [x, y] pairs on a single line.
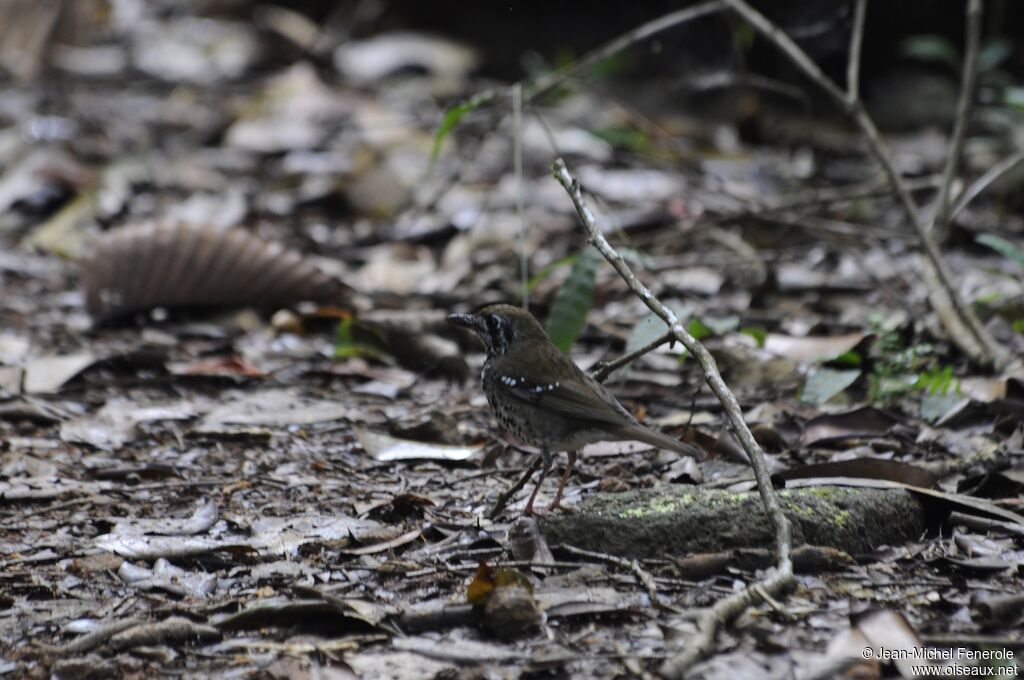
[[569, 312], [346, 346], [826, 383], [627, 138], [937, 381], [743, 36], [931, 48], [452, 117], [1003, 247], [698, 330], [993, 53], [850, 358], [1014, 96], [757, 333]]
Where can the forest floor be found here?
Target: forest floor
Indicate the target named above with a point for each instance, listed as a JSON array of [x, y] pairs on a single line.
[[259, 493]]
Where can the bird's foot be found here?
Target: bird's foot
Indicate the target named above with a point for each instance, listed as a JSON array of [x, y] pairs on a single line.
[[530, 511], [557, 505]]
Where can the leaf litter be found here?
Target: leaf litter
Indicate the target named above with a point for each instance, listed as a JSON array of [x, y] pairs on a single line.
[[218, 492]]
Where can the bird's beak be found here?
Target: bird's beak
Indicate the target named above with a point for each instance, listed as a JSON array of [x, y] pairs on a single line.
[[470, 321]]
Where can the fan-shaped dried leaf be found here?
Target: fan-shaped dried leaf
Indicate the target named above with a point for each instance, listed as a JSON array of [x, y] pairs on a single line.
[[192, 265]]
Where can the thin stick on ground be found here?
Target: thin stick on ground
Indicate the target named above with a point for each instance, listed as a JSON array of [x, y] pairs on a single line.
[[781, 579], [643, 578], [720, 613], [959, 320]]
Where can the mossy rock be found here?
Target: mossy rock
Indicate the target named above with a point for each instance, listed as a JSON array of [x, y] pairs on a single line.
[[675, 521]]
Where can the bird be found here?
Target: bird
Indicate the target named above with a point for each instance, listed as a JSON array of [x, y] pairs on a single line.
[[543, 399]]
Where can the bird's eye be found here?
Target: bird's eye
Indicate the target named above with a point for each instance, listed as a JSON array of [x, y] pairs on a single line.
[[493, 324]]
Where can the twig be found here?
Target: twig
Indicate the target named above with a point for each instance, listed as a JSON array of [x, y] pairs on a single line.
[[19, 522], [773, 603], [781, 579], [613, 47], [552, 80], [606, 368], [723, 611], [985, 181], [853, 61], [825, 196], [957, 317], [507, 494], [837, 231], [517, 164], [643, 578], [93, 639], [940, 224]]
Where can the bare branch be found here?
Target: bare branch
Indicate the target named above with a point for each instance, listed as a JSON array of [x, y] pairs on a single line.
[[825, 196], [613, 47], [606, 368], [723, 611], [545, 83], [782, 41], [979, 185], [959, 320], [517, 165], [939, 227], [853, 61], [781, 578], [642, 577]]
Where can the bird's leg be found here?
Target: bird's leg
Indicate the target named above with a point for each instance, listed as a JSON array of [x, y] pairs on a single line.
[[528, 510], [565, 478], [505, 496]]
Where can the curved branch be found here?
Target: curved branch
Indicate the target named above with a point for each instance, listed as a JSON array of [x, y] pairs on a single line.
[[781, 579]]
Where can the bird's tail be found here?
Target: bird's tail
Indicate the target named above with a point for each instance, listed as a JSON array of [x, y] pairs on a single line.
[[660, 440]]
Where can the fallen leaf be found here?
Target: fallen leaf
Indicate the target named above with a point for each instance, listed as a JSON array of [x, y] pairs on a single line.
[[387, 448], [825, 383], [862, 422], [365, 62], [276, 408], [49, 374], [812, 349]]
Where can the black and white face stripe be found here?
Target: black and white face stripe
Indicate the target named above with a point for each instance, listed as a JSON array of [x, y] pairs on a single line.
[[498, 334]]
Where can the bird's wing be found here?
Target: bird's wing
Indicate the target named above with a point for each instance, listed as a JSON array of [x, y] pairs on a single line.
[[576, 395]]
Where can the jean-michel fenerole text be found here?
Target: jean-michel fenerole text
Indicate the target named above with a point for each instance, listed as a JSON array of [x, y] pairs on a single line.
[[933, 654]]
